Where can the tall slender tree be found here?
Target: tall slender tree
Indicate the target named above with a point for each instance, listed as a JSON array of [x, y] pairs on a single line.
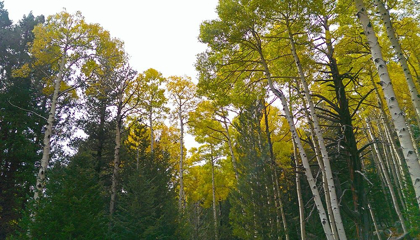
[[396, 113], [182, 94]]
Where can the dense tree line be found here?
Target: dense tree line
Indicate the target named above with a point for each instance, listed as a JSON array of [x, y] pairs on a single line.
[[306, 112]]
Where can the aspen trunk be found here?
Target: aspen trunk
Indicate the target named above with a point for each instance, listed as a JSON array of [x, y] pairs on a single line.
[[387, 178], [116, 162], [324, 176], [383, 182], [232, 155], [395, 111], [312, 183], [414, 94], [213, 186], [396, 157], [328, 171], [410, 131], [277, 194], [392, 166], [101, 137], [299, 196], [387, 127], [40, 179], [374, 222], [181, 201], [152, 137]]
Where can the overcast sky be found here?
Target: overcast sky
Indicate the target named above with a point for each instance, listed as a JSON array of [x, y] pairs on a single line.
[[160, 34]]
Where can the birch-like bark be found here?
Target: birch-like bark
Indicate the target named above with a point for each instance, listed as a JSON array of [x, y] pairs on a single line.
[[232, 155], [414, 94], [410, 132], [392, 165], [40, 179], [181, 200], [395, 111], [152, 137], [116, 160], [386, 175], [387, 127], [374, 222], [277, 195], [299, 196], [213, 187], [328, 171], [307, 168], [396, 156], [324, 176]]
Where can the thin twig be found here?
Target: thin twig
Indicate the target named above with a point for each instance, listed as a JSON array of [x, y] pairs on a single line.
[[27, 110]]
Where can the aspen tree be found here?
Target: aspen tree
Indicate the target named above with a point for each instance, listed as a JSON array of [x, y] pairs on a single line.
[[387, 178], [396, 113], [182, 94], [127, 91], [152, 100], [299, 195], [328, 171], [63, 41], [414, 94]]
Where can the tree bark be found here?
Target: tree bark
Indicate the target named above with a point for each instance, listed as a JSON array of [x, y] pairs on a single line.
[[152, 137], [312, 183], [299, 196], [101, 137], [40, 180], [320, 161], [350, 145], [328, 170], [213, 187], [374, 222], [387, 178], [232, 155], [277, 195], [181, 201], [396, 113], [116, 169], [414, 94]]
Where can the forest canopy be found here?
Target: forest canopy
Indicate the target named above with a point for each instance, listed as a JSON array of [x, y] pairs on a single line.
[[306, 115]]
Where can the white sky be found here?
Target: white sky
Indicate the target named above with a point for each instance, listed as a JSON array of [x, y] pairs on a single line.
[[160, 34]]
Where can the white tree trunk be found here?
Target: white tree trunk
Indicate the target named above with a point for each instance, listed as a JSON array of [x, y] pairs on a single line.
[[414, 94], [320, 161], [299, 196], [397, 115], [232, 155], [40, 180], [181, 200], [307, 169], [392, 165], [374, 222], [396, 156], [152, 137], [273, 166], [116, 165], [213, 186], [328, 171], [386, 175]]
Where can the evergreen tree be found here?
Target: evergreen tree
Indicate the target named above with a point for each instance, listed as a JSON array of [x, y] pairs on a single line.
[[72, 207], [253, 212], [21, 116], [146, 206]]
